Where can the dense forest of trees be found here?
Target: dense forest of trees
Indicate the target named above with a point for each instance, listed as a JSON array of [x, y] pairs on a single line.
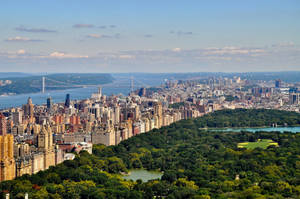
[[195, 164]]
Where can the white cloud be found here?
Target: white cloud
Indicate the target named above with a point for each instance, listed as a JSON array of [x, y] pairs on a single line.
[[62, 55], [126, 56], [21, 52], [231, 50], [22, 39], [18, 39], [94, 36], [176, 49]]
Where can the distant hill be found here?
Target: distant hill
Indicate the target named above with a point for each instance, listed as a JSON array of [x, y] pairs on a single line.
[[14, 74], [33, 83], [287, 76]]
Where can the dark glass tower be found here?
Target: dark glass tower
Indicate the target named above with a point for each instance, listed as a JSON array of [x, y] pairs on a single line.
[[67, 103], [49, 103], [277, 83]]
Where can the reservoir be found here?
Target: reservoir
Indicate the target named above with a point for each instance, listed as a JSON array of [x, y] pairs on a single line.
[[267, 129], [142, 174]]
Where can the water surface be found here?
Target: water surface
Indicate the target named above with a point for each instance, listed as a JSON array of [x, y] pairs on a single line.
[[121, 85], [295, 129], [143, 174]]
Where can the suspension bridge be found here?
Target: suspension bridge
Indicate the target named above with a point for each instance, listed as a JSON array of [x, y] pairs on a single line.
[[48, 83]]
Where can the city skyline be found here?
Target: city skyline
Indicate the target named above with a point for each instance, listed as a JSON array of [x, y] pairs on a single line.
[[137, 36]]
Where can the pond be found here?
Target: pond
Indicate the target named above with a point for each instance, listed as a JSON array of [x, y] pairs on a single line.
[[142, 174], [267, 129]]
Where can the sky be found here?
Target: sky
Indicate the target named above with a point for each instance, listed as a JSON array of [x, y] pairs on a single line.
[[149, 36]]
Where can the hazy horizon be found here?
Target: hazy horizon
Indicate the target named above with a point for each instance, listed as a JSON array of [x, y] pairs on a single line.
[[227, 72]]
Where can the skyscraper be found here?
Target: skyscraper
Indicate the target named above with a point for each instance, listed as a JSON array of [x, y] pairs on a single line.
[[7, 162], [294, 98], [67, 103], [45, 145], [277, 83], [142, 92], [3, 128], [157, 108], [28, 108], [17, 117], [100, 91], [49, 103], [97, 96], [116, 113]]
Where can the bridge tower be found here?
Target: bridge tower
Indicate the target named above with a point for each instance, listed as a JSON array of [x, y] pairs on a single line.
[[43, 85]]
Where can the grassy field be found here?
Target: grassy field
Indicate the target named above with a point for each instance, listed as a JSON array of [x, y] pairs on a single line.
[[264, 143]]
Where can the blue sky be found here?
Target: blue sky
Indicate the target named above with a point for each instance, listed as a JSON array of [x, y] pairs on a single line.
[[149, 36]]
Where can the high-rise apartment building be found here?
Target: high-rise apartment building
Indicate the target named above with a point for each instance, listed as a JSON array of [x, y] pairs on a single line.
[[28, 109], [7, 162], [294, 98], [68, 101], [3, 126], [45, 145], [17, 117], [49, 103], [277, 83], [157, 108]]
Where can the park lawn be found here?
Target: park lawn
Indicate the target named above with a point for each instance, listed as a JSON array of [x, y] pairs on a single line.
[[264, 143]]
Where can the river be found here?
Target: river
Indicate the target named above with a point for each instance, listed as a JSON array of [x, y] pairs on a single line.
[[121, 85]]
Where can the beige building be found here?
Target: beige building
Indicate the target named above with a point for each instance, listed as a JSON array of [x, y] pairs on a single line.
[[38, 162], [45, 146], [147, 124], [23, 167], [106, 137], [7, 161]]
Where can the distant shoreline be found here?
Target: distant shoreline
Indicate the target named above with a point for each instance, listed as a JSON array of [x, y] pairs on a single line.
[[48, 90], [236, 128], [12, 86]]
